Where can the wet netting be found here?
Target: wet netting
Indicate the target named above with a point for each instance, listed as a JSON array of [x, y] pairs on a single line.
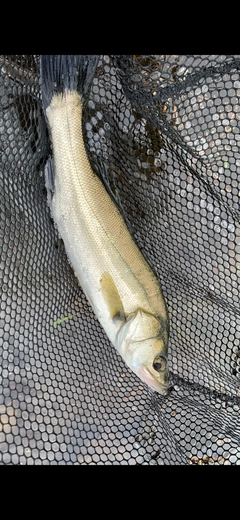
[[165, 131]]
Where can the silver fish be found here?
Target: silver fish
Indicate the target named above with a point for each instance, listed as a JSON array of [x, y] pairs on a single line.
[[116, 278]]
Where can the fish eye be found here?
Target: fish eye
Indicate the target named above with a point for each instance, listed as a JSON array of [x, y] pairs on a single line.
[[160, 363]]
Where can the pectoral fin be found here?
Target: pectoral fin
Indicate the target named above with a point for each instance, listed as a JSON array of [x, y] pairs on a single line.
[[112, 297]]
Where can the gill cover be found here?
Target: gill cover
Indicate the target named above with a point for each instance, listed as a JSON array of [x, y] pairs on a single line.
[[139, 326]]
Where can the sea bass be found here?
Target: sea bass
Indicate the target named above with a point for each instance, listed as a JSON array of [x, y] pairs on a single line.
[[117, 280]]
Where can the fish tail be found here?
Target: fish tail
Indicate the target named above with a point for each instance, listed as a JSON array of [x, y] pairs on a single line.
[[61, 73]]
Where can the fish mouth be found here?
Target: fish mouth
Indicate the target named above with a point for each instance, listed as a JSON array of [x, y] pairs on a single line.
[[144, 374], [160, 389]]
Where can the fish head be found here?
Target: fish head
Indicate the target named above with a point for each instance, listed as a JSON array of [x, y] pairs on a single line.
[[142, 341]]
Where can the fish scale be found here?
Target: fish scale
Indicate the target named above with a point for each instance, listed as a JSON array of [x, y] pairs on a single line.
[[110, 267], [82, 203]]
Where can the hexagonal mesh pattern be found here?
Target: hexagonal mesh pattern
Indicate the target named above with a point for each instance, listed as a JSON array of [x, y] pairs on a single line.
[[164, 132]]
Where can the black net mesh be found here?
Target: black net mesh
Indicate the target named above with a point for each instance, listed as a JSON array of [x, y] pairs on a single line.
[[166, 130]]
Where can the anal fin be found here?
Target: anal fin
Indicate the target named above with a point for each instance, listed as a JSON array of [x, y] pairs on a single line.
[[49, 180]]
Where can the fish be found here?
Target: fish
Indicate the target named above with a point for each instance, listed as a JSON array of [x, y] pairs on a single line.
[[118, 281]]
